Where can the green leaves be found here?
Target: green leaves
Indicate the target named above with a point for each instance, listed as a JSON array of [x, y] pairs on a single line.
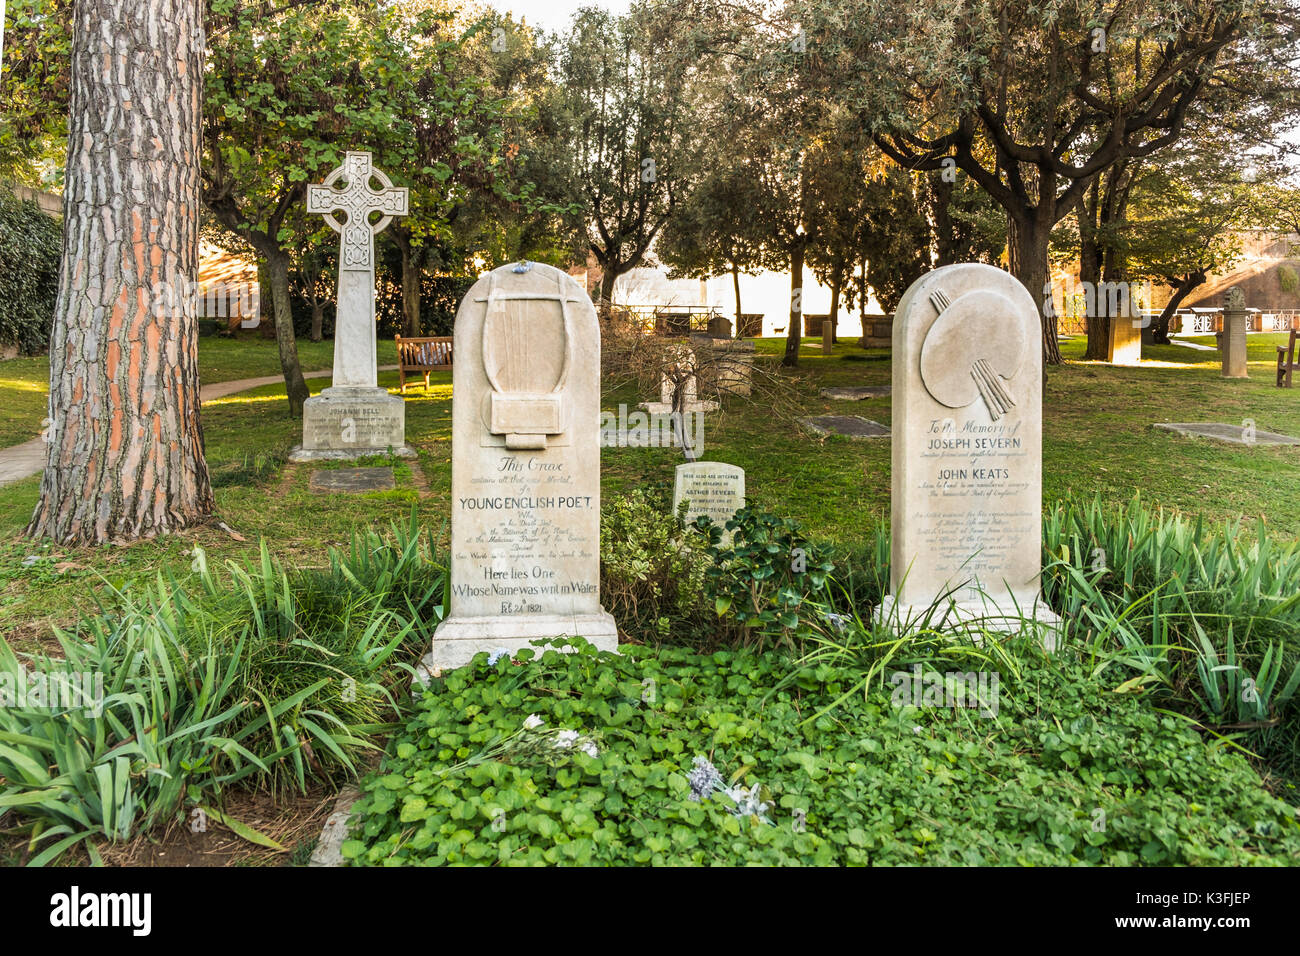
[[1057, 782]]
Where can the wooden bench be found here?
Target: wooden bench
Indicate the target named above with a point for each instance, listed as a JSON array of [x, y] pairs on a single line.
[[1286, 363], [422, 356]]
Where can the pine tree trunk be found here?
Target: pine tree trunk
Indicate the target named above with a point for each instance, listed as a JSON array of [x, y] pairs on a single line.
[[125, 458]]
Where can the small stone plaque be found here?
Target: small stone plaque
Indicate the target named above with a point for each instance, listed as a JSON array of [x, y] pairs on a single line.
[[851, 426], [712, 488], [856, 393], [1236, 434], [353, 480]]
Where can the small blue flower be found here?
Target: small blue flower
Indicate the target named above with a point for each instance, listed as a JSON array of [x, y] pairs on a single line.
[[496, 655]]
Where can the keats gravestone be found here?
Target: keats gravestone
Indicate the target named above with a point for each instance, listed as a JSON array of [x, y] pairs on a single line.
[[966, 511], [525, 471], [354, 416]]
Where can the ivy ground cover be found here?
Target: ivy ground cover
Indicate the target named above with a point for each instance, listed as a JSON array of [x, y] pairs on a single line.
[[669, 757]]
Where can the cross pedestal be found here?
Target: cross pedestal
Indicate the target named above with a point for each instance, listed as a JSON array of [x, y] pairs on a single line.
[[354, 417]]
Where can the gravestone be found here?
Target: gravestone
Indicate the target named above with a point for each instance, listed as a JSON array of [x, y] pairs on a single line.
[[354, 417], [679, 361], [1244, 434], [719, 327], [1124, 344], [711, 488], [855, 393], [828, 336], [966, 506], [353, 480], [850, 426], [525, 471], [1232, 342]]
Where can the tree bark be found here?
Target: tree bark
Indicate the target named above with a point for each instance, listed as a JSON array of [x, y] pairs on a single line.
[[1098, 325], [277, 268], [125, 457], [412, 267], [735, 281], [837, 283], [1182, 288], [317, 320], [794, 332], [1027, 250]]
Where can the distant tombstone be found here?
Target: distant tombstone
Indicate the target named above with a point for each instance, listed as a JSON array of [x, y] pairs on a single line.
[[710, 488], [525, 472], [1233, 340], [719, 326], [1124, 345], [679, 368], [354, 416], [828, 336], [966, 506]]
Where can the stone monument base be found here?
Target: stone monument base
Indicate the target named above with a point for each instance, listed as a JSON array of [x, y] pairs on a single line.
[[458, 639], [666, 408], [984, 615], [340, 424]]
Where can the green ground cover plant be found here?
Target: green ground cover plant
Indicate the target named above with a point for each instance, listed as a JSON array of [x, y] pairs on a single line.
[[590, 758]]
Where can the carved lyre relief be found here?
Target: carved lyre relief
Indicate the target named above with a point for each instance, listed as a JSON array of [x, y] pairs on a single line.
[[527, 350]]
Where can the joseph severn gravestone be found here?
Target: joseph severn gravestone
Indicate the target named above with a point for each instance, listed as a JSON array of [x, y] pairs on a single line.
[[525, 474], [966, 507], [354, 417]]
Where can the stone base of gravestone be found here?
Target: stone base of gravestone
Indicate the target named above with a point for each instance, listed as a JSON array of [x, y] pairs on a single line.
[[856, 393], [459, 639], [666, 408], [850, 426], [353, 480], [1234, 434], [345, 423], [973, 617]]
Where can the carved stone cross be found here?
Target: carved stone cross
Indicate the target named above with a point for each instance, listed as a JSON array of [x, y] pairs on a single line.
[[354, 328]]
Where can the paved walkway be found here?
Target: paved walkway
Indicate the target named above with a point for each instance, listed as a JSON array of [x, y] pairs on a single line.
[[22, 461]]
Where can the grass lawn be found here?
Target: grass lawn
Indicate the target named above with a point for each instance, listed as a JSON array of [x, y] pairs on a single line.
[[1098, 441], [25, 382]]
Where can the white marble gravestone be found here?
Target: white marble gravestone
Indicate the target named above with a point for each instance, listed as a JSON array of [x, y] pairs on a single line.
[[711, 488], [966, 510], [354, 416], [525, 472]]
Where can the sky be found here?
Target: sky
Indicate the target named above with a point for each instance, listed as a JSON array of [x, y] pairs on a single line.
[[553, 15]]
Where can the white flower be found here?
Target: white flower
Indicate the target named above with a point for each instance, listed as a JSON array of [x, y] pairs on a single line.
[[565, 739], [589, 748], [496, 655], [916, 729], [532, 722]]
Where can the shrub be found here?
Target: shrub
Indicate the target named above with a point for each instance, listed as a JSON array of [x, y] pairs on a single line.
[[763, 575], [271, 678], [30, 249], [1208, 621], [652, 570], [588, 758]]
